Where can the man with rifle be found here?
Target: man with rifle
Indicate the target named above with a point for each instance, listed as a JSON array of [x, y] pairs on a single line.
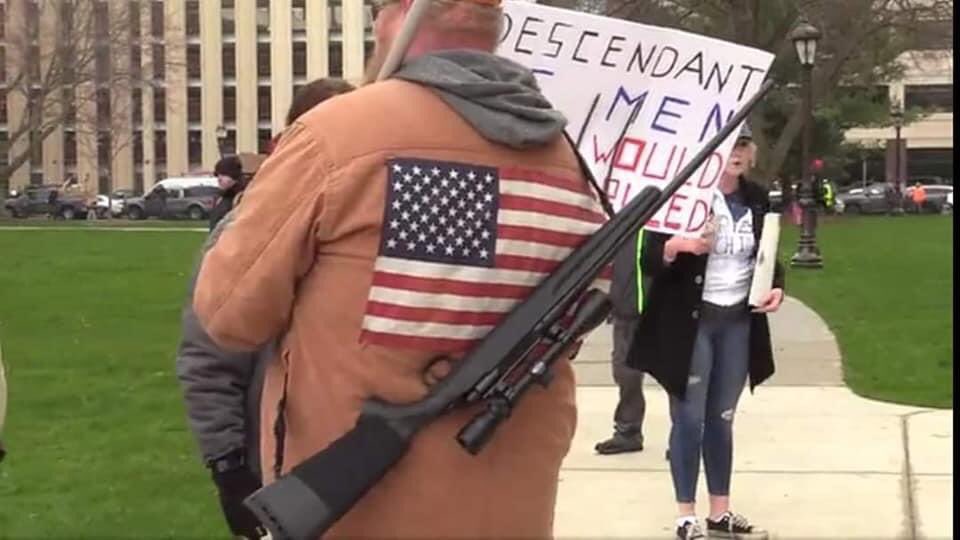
[[383, 256]]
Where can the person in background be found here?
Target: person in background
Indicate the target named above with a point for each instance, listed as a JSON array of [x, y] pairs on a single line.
[[229, 173], [626, 293], [221, 389], [919, 197], [699, 338]]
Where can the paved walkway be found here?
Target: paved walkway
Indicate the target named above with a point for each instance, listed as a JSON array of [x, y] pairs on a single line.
[[812, 459]]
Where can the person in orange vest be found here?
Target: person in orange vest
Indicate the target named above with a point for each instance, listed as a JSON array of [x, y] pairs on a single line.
[[919, 197]]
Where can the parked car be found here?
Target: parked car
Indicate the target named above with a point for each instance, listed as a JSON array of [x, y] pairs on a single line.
[[948, 205], [36, 201], [871, 199], [193, 202], [114, 203]]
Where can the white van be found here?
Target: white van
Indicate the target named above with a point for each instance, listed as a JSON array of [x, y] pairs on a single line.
[[185, 182]]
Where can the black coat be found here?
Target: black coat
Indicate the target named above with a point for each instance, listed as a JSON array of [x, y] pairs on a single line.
[[665, 335]]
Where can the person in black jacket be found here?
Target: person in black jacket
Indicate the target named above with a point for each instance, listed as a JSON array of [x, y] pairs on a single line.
[[625, 292], [701, 341], [229, 172]]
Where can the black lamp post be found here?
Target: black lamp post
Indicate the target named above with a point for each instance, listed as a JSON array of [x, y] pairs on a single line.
[[896, 209], [805, 37], [221, 138]]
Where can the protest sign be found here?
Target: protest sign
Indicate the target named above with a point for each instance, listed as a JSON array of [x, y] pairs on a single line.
[[679, 87]]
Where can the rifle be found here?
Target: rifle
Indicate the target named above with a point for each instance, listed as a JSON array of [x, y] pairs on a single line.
[[316, 493]]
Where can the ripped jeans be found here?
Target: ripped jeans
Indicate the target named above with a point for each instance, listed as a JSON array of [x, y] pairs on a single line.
[[703, 421]]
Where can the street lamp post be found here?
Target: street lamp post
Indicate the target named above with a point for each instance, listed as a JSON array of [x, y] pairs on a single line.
[[221, 138], [896, 208], [805, 37]]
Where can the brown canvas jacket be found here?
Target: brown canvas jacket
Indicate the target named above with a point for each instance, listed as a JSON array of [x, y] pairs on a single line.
[[297, 261]]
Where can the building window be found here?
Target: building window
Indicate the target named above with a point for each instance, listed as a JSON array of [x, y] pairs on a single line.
[[4, 142], [156, 19], [33, 55], [159, 73], [230, 143], [334, 16], [3, 107], [133, 18], [138, 183], [194, 105], [932, 97], [336, 59], [136, 99], [931, 162], [193, 18], [263, 103], [3, 25], [229, 103], [136, 61], [195, 148], [160, 147], [368, 47], [229, 59], [36, 178], [104, 114], [103, 149], [299, 59], [263, 140], [263, 17], [227, 18], [193, 61], [299, 16], [69, 148], [159, 105], [3, 60], [263, 59], [32, 18], [138, 147]]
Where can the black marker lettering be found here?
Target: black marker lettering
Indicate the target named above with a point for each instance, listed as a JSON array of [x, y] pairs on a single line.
[[673, 63], [585, 33], [750, 72], [697, 63], [553, 41], [524, 32], [639, 60], [611, 48]]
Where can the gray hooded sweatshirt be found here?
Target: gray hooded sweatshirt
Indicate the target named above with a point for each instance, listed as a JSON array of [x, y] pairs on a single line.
[[498, 97]]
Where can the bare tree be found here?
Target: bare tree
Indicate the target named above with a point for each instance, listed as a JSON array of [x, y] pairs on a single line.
[[71, 66]]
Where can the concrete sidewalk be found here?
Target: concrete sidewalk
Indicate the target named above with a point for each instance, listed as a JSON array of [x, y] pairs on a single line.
[[812, 460]]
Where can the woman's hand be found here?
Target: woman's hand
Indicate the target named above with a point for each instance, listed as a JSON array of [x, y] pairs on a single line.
[[771, 302]]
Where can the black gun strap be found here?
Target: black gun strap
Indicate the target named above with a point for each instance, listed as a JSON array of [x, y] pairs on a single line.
[[585, 169]]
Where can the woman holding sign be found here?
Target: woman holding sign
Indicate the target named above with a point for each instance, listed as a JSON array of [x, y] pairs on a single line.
[[701, 339]]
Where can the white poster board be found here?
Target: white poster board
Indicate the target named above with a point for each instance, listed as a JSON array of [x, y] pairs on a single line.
[[599, 70], [766, 261]]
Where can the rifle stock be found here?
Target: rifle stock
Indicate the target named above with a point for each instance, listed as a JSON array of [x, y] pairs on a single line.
[[316, 493]]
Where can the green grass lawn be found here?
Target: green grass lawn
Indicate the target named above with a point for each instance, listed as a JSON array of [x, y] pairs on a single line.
[[89, 323], [886, 291], [96, 432]]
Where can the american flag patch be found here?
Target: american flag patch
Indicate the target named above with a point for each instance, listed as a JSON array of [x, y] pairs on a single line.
[[462, 244]]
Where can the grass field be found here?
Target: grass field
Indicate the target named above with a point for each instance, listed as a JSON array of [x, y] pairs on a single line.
[[89, 324], [886, 291], [96, 433]]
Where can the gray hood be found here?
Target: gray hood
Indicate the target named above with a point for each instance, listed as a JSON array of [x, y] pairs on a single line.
[[498, 97]]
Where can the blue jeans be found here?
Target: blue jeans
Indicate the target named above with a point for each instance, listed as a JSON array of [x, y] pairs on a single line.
[[703, 421]]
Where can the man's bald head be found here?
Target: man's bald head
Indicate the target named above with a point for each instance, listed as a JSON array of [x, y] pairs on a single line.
[[447, 24]]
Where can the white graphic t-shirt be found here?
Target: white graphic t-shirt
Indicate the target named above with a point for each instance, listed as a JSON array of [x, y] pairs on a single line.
[[730, 263]]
